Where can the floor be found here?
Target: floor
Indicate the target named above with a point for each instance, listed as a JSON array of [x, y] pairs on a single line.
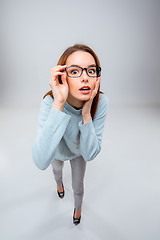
[[122, 185]]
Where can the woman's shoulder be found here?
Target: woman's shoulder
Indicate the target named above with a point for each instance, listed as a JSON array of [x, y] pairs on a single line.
[[48, 100], [46, 104]]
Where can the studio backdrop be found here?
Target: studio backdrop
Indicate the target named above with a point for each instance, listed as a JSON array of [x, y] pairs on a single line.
[[124, 34]]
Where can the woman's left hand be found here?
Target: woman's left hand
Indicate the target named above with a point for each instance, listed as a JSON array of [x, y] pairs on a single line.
[[86, 109]]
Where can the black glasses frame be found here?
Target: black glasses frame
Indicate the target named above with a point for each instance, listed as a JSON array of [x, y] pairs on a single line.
[[98, 70]]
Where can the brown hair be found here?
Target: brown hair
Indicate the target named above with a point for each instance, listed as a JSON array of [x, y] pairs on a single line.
[[62, 61]]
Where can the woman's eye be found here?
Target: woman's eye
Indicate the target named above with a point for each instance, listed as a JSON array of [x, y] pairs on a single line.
[[74, 71], [91, 71]]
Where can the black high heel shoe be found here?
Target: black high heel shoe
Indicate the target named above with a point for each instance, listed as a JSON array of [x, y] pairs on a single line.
[[61, 194], [76, 221]]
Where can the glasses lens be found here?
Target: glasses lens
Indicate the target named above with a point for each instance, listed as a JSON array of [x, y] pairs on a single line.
[[92, 71], [74, 71]]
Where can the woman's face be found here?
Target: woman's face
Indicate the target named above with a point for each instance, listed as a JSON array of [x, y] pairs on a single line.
[[76, 97]]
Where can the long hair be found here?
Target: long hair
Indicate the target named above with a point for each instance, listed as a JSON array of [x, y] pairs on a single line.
[[62, 61]]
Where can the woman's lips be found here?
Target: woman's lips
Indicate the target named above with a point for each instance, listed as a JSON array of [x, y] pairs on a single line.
[[85, 91]]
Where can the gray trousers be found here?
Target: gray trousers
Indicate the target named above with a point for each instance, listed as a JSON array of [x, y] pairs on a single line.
[[78, 166]]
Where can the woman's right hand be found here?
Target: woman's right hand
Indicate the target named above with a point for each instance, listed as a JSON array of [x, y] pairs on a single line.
[[60, 91]]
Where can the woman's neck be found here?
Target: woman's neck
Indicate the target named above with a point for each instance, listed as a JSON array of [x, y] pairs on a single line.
[[75, 103]]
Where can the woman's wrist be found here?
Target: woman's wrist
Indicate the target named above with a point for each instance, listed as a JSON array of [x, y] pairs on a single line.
[[58, 106], [86, 118]]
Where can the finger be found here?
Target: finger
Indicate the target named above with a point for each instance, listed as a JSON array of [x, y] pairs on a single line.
[[94, 92], [92, 95], [54, 78], [98, 83], [61, 67], [58, 67], [64, 81], [95, 87], [99, 78], [55, 74]]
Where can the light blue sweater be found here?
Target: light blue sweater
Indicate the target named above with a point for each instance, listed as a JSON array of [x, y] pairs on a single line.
[[63, 136]]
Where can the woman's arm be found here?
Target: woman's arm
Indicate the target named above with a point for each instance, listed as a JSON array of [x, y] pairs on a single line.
[[52, 121], [51, 128], [91, 132]]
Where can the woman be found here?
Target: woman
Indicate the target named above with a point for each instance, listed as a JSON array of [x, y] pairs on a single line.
[[71, 119]]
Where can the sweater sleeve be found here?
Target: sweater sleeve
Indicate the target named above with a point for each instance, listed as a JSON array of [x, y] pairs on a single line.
[[91, 132], [51, 128]]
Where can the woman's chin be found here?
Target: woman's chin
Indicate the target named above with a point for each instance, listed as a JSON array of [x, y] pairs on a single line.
[[85, 97]]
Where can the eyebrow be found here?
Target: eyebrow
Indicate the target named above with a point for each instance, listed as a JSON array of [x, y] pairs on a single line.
[[74, 65]]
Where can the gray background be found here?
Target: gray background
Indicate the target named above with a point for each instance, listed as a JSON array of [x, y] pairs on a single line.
[[122, 190], [124, 34]]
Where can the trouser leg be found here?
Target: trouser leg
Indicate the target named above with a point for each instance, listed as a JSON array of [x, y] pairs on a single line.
[[57, 167], [78, 166]]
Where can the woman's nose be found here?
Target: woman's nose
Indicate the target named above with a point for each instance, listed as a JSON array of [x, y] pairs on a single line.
[[84, 76]]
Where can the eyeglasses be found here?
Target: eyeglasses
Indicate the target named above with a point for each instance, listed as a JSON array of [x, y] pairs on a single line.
[[76, 71]]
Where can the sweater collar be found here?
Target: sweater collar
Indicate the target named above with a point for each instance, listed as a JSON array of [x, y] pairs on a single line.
[[69, 108]]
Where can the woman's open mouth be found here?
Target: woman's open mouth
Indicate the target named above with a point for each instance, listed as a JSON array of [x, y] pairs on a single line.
[[85, 89]]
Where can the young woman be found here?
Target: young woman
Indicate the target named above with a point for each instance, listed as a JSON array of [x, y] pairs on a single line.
[[71, 119]]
